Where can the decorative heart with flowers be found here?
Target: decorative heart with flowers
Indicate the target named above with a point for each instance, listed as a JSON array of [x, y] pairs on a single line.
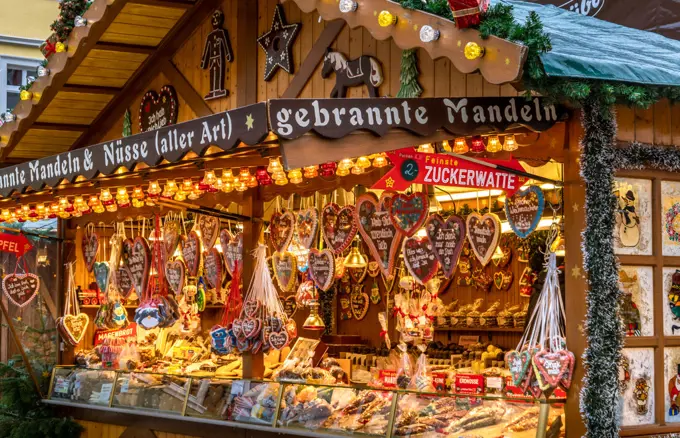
[[338, 226], [307, 224], [409, 212], [281, 228]]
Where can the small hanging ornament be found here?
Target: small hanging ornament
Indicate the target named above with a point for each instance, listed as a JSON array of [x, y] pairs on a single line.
[[466, 13], [73, 325]]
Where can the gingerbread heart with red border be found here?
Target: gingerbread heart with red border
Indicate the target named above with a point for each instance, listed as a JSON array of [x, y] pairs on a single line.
[[419, 258], [550, 367], [381, 236], [281, 228], [90, 246], [232, 249], [409, 212], [447, 237], [518, 363], [306, 226], [338, 226], [285, 268], [483, 233], [210, 230], [322, 268], [139, 265], [175, 274], [191, 252], [213, 268]]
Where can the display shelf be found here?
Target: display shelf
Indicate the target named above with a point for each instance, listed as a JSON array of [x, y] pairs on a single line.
[[96, 306], [480, 329]]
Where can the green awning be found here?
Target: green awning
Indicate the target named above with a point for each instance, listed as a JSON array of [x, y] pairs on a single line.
[[587, 48]]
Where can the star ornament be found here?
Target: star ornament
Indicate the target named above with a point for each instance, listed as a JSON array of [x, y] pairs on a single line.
[[249, 121], [278, 44]]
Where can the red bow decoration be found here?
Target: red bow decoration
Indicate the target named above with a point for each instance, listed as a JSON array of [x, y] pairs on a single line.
[[383, 333]]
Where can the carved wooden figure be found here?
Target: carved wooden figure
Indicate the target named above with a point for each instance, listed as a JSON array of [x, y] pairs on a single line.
[[364, 70], [215, 54]]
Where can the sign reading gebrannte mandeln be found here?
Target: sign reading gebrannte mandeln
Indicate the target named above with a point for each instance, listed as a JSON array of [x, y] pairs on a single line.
[[224, 130], [336, 118]]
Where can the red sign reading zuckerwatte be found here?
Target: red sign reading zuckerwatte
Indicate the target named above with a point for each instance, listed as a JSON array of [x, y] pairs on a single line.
[[14, 243], [411, 167]]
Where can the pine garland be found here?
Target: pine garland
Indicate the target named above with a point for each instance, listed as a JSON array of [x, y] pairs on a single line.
[[408, 77], [68, 11], [603, 325]]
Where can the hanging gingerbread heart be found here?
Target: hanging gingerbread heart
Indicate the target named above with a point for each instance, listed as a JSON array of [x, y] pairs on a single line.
[[568, 375], [191, 252], [447, 237], [285, 268], [359, 302], [213, 268], [21, 289], [90, 249], [278, 340], [281, 227], [251, 308], [549, 368], [139, 264], [483, 233], [503, 261], [101, 275], [358, 274], [171, 235], [75, 326], [338, 226], [419, 258], [290, 306], [232, 249], [124, 282], [175, 274], [502, 279], [524, 210], [377, 229], [322, 268], [409, 212], [518, 363], [307, 224], [126, 250], [209, 226]]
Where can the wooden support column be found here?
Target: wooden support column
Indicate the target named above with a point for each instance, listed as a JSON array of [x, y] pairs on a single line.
[[253, 207], [575, 282], [246, 53]]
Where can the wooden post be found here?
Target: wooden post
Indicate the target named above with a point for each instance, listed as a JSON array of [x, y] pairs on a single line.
[[253, 364], [575, 283]]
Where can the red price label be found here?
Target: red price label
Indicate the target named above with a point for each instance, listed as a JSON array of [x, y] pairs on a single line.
[[388, 378]]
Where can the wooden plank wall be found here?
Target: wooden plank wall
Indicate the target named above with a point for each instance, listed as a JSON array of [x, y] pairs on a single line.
[[659, 124]]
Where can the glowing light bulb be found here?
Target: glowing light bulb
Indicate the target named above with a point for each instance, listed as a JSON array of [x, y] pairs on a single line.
[[227, 176], [347, 6], [363, 162], [244, 173], [380, 161], [426, 148], [311, 172], [473, 51], [510, 143], [428, 34], [274, 165], [477, 144], [342, 171], [346, 163], [252, 182], [386, 19], [460, 146], [154, 188], [281, 181], [493, 144]]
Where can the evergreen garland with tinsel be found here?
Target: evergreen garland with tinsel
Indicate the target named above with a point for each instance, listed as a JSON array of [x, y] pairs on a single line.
[[68, 11], [127, 124], [408, 77]]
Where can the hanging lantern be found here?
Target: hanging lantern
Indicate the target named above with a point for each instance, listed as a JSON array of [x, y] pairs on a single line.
[[342, 171], [27, 212], [6, 216], [227, 176], [242, 185], [244, 173], [227, 188], [386, 19], [195, 192], [208, 182], [80, 204], [295, 176], [105, 197], [493, 144], [477, 144], [328, 169], [460, 146], [93, 201], [262, 175], [426, 148], [357, 170], [280, 174], [252, 182], [313, 321], [274, 165], [122, 197], [40, 210], [187, 185], [311, 172], [346, 164], [446, 147], [219, 184], [380, 161], [281, 181], [510, 143], [54, 210], [153, 190]]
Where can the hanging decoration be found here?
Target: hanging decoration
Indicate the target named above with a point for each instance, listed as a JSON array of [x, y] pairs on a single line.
[[524, 210], [209, 227], [171, 235], [139, 265], [216, 52], [102, 275], [191, 252], [447, 237], [483, 233], [409, 212], [419, 258], [232, 249], [90, 246], [175, 273], [307, 225], [73, 325], [213, 270], [466, 13], [322, 268], [281, 228], [127, 123], [157, 110], [21, 289], [381, 236], [278, 44], [408, 77], [365, 70], [338, 226], [285, 267], [359, 303], [290, 306]]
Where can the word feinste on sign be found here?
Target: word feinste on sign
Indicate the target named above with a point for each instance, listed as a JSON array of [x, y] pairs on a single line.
[[224, 130]]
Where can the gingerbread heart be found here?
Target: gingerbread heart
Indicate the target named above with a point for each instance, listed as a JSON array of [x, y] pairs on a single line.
[[210, 230], [419, 258], [524, 210], [278, 340], [290, 306], [21, 289], [101, 275], [518, 363], [175, 274], [359, 302], [251, 327], [377, 229], [285, 269], [213, 268], [322, 268], [232, 249], [339, 226], [191, 252], [409, 212], [76, 326], [502, 279], [505, 259], [483, 233], [549, 368], [281, 227], [251, 308], [447, 237], [90, 250], [124, 282], [566, 379], [307, 224], [171, 235], [139, 264], [358, 274], [237, 328]]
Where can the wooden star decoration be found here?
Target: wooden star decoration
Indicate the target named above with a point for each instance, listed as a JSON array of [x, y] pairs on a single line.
[[576, 272], [575, 207], [278, 44]]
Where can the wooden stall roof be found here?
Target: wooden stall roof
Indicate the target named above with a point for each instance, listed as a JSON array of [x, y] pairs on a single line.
[[104, 59]]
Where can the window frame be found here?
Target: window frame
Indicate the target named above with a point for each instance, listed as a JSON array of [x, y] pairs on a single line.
[[17, 63]]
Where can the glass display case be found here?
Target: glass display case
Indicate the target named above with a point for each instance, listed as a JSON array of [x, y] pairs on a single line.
[[321, 410]]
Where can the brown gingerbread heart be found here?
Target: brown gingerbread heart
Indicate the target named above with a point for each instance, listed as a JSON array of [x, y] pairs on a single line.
[[307, 225], [191, 252], [281, 227], [232, 249], [338, 226], [377, 229], [322, 268], [139, 264], [419, 258], [447, 237], [285, 268], [213, 268], [210, 230], [90, 250], [483, 233], [175, 274]]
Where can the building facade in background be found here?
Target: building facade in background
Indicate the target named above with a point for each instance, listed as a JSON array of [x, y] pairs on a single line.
[[24, 25]]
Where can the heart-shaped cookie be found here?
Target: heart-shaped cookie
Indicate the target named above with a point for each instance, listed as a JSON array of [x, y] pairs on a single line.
[[359, 302], [213, 268], [377, 229], [76, 325], [232, 249], [524, 210], [251, 327], [101, 275], [419, 258], [278, 340], [502, 279], [285, 269], [549, 368], [157, 110], [503, 261], [171, 235], [175, 274], [281, 227], [237, 328], [290, 306], [209, 227], [139, 264], [338, 226], [518, 363], [307, 224], [90, 249], [322, 268], [124, 282], [447, 237], [483, 233], [409, 212], [21, 289], [357, 274], [568, 375], [251, 308], [191, 252]]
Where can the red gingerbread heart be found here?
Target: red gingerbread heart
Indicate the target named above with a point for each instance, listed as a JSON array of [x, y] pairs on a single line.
[[278, 340], [409, 212], [338, 226], [549, 368]]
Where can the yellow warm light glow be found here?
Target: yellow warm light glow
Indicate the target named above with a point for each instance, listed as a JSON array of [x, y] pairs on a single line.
[[386, 19], [473, 51]]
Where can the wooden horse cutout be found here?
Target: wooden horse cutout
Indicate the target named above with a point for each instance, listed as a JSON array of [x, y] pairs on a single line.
[[364, 70]]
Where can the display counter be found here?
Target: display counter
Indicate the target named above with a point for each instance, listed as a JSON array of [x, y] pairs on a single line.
[[305, 409]]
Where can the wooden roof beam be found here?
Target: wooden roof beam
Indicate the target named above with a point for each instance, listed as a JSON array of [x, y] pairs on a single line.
[[90, 89], [125, 48], [177, 4]]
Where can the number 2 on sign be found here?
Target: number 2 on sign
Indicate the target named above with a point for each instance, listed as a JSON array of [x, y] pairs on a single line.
[[409, 170]]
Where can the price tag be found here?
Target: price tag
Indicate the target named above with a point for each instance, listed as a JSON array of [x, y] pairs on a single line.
[[60, 386], [124, 387], [388, 378], [105, 393]]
